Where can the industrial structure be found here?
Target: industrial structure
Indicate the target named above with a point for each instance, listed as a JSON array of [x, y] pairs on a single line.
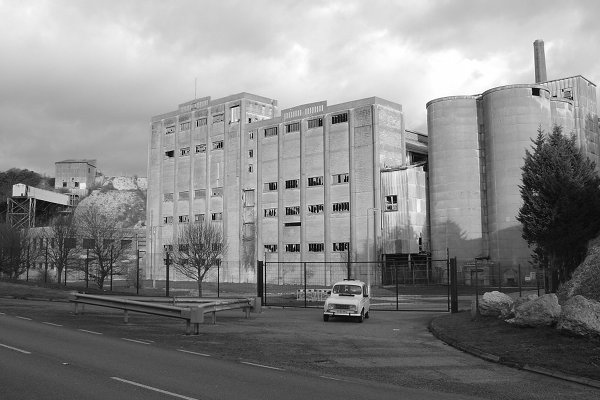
[[29, 207], [476, 151], [310, 183], [76, 176]]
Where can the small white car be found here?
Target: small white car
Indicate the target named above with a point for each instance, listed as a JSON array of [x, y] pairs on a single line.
[[348, 298]]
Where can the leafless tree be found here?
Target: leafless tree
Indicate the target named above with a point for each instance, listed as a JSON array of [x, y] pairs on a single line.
[[61, 235], [16, 251], [198, 248], [106, 241]]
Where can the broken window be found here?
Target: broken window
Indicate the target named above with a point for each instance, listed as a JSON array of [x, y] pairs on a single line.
[[272, 131], [270, 212], [316, 247], [293, 127], [315, 123], [340, 178], [292, 247], [291, 184], [315, 181], [391, 203], [339, 118], [218, 145], [341, 207], [201, 148], [270, 186]]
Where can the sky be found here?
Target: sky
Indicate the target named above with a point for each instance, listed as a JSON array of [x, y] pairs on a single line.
[[80, 79]]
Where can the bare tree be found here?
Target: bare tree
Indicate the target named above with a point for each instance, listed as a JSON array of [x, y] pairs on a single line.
[[61, 234], [106, 242], [198, 248], [16, 251]]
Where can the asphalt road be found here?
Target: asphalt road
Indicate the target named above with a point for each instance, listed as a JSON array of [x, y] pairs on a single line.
[[281, 353], [40, 360]]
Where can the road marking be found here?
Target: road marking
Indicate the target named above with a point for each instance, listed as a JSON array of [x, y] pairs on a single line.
[[330, 377], [152, 388], [51, 323], [193, 352], [25, 318], [135, 341], [15, 349], [1, 313], [92, 332], [262, 366]]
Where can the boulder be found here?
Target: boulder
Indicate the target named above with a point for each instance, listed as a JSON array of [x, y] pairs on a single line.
[[586, 278], [495, 304], [522, 300], [542, 311], [580, 317]]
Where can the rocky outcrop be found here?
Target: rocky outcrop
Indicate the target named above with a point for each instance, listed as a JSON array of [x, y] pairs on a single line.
[[522, 300], [586, 278], [495, 304], [128, 207], [542, 311], [580, 317]]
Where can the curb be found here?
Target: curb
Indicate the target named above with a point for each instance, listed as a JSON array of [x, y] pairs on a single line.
[[499, 360]]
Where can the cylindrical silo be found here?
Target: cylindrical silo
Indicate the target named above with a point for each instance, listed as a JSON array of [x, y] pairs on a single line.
[[511, 118], [454, 178]]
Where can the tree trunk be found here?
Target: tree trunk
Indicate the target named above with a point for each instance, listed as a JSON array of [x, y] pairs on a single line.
[[199, 288]]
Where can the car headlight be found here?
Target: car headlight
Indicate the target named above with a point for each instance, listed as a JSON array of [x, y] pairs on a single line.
[[330, 307], [352, 308]]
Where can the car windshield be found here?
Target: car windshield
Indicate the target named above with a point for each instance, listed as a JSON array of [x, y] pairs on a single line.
[[347, 289]]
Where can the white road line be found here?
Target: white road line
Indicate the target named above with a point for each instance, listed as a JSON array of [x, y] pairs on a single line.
[[92, 332], [193, 352], [152, 388], [25, 318], [330, 377], [135, 341], [51, 323], [262, 366], [1, 313], [15, 349]]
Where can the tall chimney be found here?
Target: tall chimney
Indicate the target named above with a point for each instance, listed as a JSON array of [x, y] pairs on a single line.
[[539, 58]]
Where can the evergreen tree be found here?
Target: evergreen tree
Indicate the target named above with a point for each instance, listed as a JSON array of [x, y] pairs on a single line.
[[561, 203]]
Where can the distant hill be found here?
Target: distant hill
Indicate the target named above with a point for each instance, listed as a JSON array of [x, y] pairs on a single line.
[[17, 175]]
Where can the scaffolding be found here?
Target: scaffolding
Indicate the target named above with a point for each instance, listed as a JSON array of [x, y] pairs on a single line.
[[30, 206]]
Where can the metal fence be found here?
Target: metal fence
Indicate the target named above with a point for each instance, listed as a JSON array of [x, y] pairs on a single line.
[[396, 285]]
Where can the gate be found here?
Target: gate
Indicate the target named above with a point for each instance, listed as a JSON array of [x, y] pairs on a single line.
[[397, 284]]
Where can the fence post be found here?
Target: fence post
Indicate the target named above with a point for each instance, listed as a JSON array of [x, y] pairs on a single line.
[[259, 280], [305, 292], [167, 262], [453, 286]]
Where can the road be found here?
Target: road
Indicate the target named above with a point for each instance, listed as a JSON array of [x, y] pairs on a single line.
[[42, 360]]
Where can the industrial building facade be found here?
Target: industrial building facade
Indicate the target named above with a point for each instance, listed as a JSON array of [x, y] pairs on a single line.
[[310, 183], [476, 151]]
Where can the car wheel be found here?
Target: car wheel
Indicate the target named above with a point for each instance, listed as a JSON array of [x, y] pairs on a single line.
[[325, 317], [362, 316]]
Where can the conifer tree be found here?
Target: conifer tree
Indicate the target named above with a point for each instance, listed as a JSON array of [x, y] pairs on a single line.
[[561, 203]]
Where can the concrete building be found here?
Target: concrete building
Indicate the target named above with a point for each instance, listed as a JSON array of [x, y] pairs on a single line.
[[477, 147], [312, 183], [77, 176]]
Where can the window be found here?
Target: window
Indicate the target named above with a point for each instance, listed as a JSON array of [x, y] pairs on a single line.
[[184, 195], [250, 168], [568, 93], [216, 192], [64, 184], [168, 247], [200, 193], [270, 212], [293, 127], [339, 178], [315, 123], [198, 217], [298, 223], [217, 118], [217, 145], [295, 210], [185, 151], [184, 218], [316, 208], [270, 186], [248, 198], [200, 122], [235, 114], [251, 135], [292, 247], [292, 183], [341, 207], [316, 247], [391, 203], [250, 153], [167, 197], [185, 126], [339, 118], [201, 148], [170, 153], [270, 248], [535, 91], [170, 129], [76, 184], [272, 131], [216, 246], [315, 181], [168, 219], [341, 246], [216, 216]]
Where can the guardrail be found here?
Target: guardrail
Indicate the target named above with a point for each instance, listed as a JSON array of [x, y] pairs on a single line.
[[193, 315]]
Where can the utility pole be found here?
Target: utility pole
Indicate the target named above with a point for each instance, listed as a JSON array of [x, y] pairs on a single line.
[[167, 262]]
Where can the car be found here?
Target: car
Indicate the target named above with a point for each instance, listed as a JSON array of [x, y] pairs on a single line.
[[348, 298]]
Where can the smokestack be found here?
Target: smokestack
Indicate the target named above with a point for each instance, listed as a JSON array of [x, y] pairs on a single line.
[[539, 58]]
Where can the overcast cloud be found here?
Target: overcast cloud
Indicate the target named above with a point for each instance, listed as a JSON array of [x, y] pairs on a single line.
[[82, 78]]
